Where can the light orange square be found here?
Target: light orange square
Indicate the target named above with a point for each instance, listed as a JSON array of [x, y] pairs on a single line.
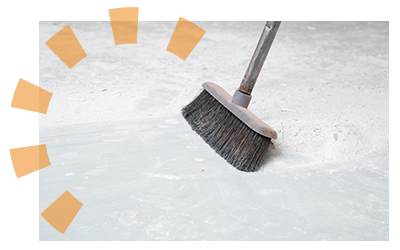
[[67, 47], [185, 38], [27, 160], [124, 24], [62, 211], [30, 97]]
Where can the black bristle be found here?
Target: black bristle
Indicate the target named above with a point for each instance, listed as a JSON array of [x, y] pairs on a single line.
[[232, 139]]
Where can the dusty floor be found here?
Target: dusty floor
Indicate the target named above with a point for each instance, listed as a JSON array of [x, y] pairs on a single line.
[[117, 142]]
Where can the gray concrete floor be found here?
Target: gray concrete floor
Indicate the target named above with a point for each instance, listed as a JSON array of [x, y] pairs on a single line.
[[117, 142]]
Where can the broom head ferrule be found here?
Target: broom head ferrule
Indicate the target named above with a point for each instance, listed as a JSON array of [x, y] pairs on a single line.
[[242, 113]]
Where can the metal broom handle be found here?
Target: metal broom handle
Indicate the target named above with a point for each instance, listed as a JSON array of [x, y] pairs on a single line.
[[259, 56]]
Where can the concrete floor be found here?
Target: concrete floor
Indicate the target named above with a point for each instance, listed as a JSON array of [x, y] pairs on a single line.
[[117, 142]]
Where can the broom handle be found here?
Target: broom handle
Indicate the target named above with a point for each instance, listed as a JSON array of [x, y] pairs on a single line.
[[259, 56]]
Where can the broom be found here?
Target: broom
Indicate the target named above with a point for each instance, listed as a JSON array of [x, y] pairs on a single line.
[[225, 123]]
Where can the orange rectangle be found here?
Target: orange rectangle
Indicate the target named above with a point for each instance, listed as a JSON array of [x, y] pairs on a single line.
[[67, 47], [62, 211], [31, 97], [27, 160], [124, 24], [185, 38]]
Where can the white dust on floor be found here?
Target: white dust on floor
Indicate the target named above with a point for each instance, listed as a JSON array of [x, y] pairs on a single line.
[[326, 121]]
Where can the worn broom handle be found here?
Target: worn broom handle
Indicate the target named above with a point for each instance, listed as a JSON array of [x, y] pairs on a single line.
[[259, 56]]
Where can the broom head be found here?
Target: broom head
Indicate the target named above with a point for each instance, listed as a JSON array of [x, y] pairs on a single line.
[[235, 133]]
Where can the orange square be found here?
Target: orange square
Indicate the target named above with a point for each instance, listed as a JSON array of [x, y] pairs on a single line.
[[124, 24], [27, 160], [31, 97], [67, 47], [185, 38], [62, 211]]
